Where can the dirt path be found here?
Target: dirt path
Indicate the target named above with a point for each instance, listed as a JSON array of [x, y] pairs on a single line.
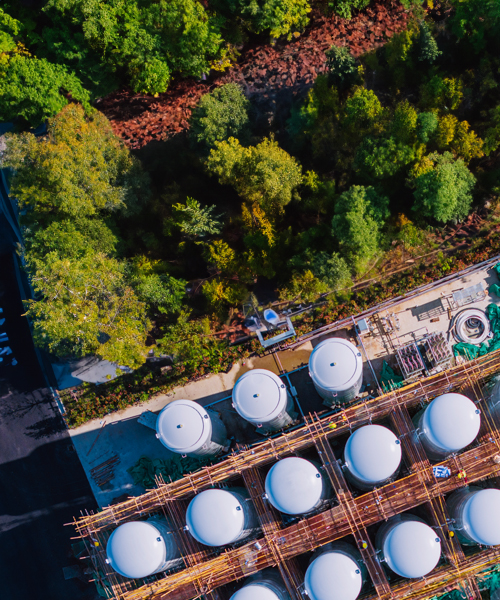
[[266, 74]]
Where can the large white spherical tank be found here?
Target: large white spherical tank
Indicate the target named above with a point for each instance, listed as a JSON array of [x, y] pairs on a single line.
[[450, 423], [220, 517], [336, 574], [185, 427], [261, 398], [141, 548], [408, 546], [336, 369], [372, 456], [476, 515], [295, 486], [266, 585]]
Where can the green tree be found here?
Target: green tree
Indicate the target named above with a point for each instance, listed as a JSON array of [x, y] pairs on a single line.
[[220, 115], [303, 287], [444, 191], [362, 115], [85, 307], [379, 158], [148, 39], [278, 17], [427, 123], [359, 214], [492, 136], [191, 342], [79, 169], [404, 122], [428, 50], [263, 174], [70, 238], [330, 269], [161, 291], [344, 8], [441, 93], [341, 67], [34, 90], [194, 220], [477, 21]]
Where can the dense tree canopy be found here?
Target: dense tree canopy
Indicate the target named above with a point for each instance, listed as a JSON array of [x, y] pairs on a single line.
[[283, 196]]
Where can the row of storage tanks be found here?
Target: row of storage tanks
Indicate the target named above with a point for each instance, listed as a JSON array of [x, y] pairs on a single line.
[[295, 486], [261, 398]]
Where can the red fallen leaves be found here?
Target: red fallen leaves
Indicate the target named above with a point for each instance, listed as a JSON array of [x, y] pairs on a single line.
[[263, 71]]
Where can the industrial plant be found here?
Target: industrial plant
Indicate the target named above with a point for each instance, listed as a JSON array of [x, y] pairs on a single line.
[[387, 487]]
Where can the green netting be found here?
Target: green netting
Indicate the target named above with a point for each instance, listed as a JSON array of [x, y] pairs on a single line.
[[469, 350], [388, 379], [494, 289], [104, 588], [487, 580], [144, 471]]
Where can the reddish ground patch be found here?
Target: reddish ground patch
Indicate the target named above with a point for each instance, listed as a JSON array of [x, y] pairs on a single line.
[[264, 72]]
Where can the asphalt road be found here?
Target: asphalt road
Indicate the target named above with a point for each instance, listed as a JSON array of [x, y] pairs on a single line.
[[42, 484]]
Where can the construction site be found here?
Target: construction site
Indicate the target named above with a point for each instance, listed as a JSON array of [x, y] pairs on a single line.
[[437, 342]]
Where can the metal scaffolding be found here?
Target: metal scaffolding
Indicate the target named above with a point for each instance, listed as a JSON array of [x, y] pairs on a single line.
[[206, 569]]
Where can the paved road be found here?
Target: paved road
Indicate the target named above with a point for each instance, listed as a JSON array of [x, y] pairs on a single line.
[[42, 484]]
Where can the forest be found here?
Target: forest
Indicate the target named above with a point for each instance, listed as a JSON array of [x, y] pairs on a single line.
[[159, 247]]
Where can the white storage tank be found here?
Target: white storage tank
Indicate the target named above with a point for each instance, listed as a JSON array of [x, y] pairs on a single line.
[[261, 398], [265, 585], [336, 572], [221, 517], [336, 368], [408, 546], [450, 423], [476, 515], [372, 456], [186, 428], [295, 486], [141, 548]]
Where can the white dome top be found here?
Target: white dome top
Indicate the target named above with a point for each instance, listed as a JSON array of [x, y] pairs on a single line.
[[259, 395], [451, 422], [335, 364], [136, 549], [255, 591], [183, 426], [333, 576], [372, 453], [215, 517], [412, 549], [481, 517], [294, 485]]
